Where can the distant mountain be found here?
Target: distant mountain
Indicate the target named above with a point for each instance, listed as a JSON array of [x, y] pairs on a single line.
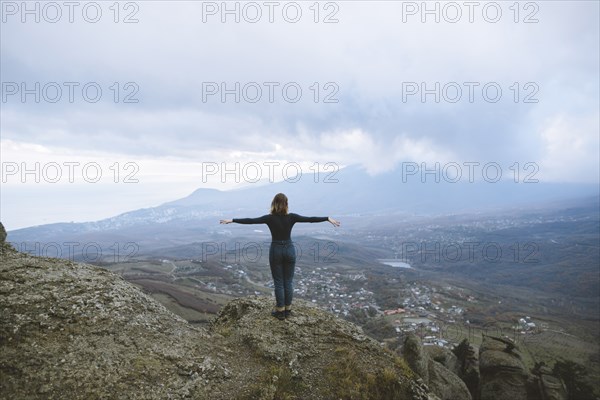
[[351, 192]]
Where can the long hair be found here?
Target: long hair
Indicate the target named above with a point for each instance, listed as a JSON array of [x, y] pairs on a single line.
[[279, 205]]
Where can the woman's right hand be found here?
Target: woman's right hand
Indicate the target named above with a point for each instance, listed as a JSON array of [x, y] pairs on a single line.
[[226, 221], [333, 222]]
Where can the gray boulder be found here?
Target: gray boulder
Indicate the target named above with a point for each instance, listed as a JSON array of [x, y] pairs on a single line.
[[503, 375], [445, 357], [445, 384], [549, 386], [441, 381], [2, 234], [415, 356], [468, 366]]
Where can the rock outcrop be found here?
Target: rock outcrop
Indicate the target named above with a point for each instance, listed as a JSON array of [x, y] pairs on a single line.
[[77, 331], [441, 381], [445, 357], [503, 375], [548, 385], [415, 356], [2, 234], [468, 366]]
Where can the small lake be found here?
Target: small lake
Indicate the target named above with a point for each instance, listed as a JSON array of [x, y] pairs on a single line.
[[393, 262]]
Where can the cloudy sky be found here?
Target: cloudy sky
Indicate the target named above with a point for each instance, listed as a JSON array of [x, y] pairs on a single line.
[[131, 106]]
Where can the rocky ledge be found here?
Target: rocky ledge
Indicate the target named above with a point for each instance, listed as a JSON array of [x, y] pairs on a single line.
[[77, 331]]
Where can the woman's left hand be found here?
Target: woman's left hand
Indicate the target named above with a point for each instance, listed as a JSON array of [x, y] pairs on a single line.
[[226, 221]]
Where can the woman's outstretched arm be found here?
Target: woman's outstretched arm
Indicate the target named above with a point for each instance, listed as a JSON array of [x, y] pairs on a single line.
[[301, 218], [259, 220]]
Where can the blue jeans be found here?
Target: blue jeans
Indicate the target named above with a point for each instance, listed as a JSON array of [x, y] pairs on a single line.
[[282, 259]]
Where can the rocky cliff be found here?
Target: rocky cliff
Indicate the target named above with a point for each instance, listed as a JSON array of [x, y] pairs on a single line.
[[77, 331], [433, 367]]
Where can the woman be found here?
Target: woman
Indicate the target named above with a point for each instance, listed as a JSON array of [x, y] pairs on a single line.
[[282, 254]]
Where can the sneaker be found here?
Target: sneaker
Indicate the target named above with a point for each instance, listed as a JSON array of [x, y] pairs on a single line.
[[288, 313], [280, 315]]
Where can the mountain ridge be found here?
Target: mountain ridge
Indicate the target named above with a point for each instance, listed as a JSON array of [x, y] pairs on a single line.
[[355, 193]]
